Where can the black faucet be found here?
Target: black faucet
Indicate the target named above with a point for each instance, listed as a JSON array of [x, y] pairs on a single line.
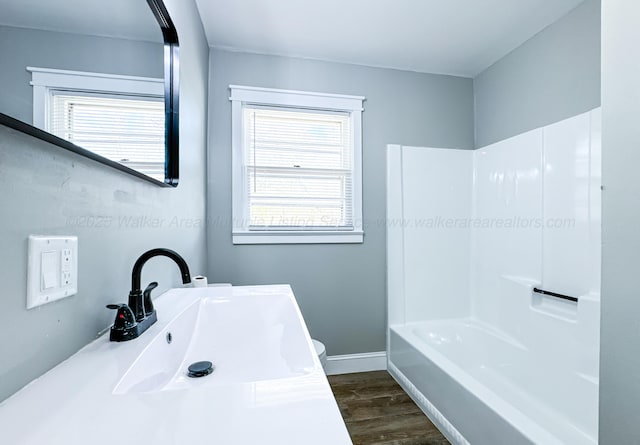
[[136, 317]]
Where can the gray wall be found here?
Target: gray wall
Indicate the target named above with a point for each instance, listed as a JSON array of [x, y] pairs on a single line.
[[340, 288], [20, 47], [620, 332], [43, 189], [552, 76]]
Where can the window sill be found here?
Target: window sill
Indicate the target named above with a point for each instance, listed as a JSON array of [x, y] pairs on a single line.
[[328, 237]]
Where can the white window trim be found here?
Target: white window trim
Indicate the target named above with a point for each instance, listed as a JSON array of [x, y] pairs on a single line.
[[44, 80], [241, 95]]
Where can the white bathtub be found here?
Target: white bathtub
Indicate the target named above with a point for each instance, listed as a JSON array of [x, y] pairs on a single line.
[[489, 388], [471, 235]]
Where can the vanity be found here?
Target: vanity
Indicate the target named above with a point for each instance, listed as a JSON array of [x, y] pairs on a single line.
[[267, 384]]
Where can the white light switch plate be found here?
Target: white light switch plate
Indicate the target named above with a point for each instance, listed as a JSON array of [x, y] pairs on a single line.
[[52, 269]]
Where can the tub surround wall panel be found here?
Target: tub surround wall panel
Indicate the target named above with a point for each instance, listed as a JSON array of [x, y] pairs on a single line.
[[535, 223], [567, 189], [48, 190], [558, 251], [552, 76], [340, 288], [506, 248], [436, 198], [436, 234], [395, 238]]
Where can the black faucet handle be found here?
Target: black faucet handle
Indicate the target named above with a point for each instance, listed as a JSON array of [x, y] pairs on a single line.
[[150, 287], [147, 302], [125, 319]]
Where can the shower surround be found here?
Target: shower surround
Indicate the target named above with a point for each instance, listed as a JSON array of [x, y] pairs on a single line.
[[472, 239]]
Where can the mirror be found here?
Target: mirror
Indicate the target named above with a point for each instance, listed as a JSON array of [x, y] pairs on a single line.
[[97, 78]]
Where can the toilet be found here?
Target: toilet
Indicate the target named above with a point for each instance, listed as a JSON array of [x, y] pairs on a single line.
[[321, 351]]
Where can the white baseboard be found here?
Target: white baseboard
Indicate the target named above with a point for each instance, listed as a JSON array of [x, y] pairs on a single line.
[[347, 364]]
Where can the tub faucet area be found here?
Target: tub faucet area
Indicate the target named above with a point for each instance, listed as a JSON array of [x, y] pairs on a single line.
[[136, 317]]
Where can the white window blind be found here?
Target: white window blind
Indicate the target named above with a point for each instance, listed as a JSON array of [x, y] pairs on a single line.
[[126, 129], [298, 169], [297, 166]]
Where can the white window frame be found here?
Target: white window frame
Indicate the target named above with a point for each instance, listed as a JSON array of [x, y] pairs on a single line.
[[244, 95], [46, 80]]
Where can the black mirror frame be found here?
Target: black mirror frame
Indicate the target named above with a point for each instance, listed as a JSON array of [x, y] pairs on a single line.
[[171, 106], [171, 92]]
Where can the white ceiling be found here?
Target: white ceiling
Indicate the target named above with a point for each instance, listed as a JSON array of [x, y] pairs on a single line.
[[128, 19], [459, 37]]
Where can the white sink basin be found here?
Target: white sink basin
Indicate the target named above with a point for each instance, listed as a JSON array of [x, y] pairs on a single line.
[[248, 338], [268, 386]]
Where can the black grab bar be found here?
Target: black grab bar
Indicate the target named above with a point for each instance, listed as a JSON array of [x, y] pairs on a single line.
[[554, 294]]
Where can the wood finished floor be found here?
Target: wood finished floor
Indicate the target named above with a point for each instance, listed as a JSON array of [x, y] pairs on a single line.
[[377, 411]]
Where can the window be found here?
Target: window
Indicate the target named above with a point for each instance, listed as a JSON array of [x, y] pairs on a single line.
[[296, 167], [118, 117]]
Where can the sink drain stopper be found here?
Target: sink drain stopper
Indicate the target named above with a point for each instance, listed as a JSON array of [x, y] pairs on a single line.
[[200, 369]]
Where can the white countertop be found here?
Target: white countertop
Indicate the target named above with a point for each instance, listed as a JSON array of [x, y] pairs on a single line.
[[74, 403]]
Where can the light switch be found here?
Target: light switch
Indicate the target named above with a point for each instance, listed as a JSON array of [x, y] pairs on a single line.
[[49, 266], [52, 271]]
